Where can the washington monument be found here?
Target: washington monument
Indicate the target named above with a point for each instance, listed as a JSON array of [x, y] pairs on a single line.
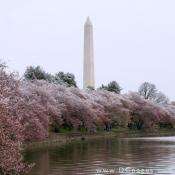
[[88, 74]]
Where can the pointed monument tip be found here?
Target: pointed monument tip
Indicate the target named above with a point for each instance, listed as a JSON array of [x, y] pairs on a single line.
[[88, 21]]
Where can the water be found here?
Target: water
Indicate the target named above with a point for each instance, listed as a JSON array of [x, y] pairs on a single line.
[[152, 155]]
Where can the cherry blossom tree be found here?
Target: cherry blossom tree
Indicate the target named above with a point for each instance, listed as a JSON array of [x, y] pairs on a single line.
[[147, 115], [37, 108], [11, 137]]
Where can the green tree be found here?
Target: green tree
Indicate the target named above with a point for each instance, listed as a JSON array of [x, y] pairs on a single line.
[[38, 73], [113, 86], [67, 78]]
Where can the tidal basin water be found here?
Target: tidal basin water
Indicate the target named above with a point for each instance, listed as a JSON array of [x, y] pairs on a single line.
[[154, 155]]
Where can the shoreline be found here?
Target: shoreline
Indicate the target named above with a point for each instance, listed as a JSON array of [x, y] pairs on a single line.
[[61, 139]]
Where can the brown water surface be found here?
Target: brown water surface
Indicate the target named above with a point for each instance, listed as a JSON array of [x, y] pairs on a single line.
[[154, 155]]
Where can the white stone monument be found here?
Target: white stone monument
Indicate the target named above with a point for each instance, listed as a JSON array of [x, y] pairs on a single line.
[[88, 74]]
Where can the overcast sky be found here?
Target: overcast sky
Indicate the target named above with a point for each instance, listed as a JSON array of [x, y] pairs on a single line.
[[134, 40]]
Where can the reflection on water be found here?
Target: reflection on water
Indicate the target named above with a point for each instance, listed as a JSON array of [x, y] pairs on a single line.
[[87, 157]]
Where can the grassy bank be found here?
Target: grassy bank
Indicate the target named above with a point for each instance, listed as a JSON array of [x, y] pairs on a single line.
[[60, 139]]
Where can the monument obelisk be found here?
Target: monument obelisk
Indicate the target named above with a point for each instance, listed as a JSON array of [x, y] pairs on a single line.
[[88, 74]]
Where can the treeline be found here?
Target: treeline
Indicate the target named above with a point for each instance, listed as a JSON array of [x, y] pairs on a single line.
[[40, 103], [147, 90]]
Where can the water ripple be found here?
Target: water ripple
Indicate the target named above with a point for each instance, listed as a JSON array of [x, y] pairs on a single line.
[[90, 157]]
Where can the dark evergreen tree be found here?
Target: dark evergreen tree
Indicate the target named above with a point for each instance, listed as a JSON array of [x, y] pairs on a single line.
[[67, 78], [113, 86], [38, 73]]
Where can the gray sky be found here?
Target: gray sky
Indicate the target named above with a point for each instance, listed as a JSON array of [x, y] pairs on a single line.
[[134, 40]]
